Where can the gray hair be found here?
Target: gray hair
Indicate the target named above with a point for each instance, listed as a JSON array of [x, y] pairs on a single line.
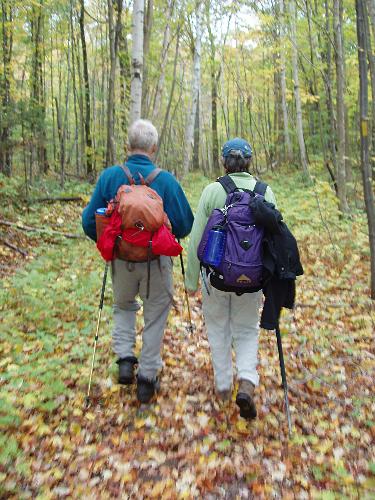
[[142, 135]]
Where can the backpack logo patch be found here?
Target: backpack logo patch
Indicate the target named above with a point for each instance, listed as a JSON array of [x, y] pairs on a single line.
[[243, 279]]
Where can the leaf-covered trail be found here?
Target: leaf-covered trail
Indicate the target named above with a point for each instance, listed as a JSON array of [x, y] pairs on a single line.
[[186, 444]]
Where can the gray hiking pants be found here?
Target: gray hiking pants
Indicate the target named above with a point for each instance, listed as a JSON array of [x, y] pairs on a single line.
[[232, 319], [130, 279]]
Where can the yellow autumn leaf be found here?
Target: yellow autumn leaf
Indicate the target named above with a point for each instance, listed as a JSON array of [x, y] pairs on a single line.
[[126, 478], [43, 430], [241, 426], [324, 446], [139, 422], [157, 455], [158, 489], [75, 428]]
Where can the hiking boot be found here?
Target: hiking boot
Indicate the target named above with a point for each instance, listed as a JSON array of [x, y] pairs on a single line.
[[245, 400], [126, 369], [224, 395], [146, 389]]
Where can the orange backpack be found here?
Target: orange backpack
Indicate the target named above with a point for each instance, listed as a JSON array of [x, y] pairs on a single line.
[[139, 207]]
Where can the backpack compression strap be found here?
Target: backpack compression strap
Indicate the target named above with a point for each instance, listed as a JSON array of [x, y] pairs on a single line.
[[128, 174], [227, 183], [260, 188], [151, 176]]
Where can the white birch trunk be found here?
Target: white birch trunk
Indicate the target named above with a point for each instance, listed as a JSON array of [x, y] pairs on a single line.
[[297, 96], [137, 61], [189, 131]]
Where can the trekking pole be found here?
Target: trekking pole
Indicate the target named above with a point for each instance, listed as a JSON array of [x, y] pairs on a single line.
[[283, 377], [186, 294], [97, 331]]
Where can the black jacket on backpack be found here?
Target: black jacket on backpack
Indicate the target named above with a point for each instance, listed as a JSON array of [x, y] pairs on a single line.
[[281, 259]]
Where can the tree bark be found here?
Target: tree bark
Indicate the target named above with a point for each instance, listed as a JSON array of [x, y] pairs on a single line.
[[114, 29], [166, 117], [299, 122], [365, 163], [125, 82], [368, 6], [88, 150], [38, 104], [340, 106], [147, 29], [5, 123], [189, 131], [137, 61], [215, 75], [163, 62]]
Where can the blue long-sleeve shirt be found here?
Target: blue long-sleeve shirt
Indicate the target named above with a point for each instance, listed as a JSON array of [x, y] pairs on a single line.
[[176, 205]]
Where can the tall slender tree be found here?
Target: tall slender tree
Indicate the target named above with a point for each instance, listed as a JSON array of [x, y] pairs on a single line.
[[190, 122], [88, 139], [5, 90], [137, 60], [362, 27], [114, 29], [297, 95], [340, 105]]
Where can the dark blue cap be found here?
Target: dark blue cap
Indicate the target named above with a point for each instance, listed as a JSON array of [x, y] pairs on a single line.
[[237, 147]]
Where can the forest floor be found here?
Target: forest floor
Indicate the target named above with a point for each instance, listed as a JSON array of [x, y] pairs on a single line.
[[185, 444]]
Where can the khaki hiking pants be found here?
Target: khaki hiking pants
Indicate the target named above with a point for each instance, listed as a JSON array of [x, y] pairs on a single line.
[[129, 279]]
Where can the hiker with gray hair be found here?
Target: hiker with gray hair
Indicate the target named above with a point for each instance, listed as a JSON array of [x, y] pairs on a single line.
[[154, 286], [230, 317]]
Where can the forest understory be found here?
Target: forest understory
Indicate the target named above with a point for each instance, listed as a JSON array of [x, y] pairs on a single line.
[[185, 444]]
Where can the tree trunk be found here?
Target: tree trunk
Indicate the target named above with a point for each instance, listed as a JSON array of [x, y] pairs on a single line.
[[89, 150], [137, 61], [5, 123], [189, 131], [368, 5], [196, 137], [114, 32], [365, 163], [38, 104], [125, 81], [163, 129], [163, 62], [299, 122], [147, 29], [340, 106], [215, 75]]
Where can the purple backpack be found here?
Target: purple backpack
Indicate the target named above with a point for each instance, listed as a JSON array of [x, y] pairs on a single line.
[[241, 269]]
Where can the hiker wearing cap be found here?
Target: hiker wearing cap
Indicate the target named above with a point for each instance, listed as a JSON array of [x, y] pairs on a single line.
[[151, 280], [230, 318]]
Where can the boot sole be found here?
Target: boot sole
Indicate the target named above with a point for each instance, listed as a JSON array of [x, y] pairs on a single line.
[[126, 380], [246, 406], [145, 399]]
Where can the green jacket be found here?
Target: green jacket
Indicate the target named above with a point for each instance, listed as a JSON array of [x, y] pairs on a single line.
[[213, 196]]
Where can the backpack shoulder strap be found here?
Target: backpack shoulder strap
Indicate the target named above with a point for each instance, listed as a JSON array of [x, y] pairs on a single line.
[[152, 175], [128, 174], [260, 188], [227, 183]]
